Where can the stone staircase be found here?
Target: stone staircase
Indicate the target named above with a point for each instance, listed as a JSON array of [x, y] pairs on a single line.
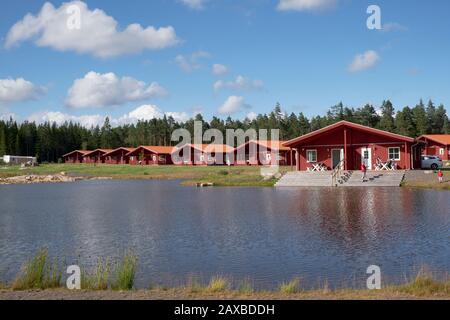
[[347, 179]]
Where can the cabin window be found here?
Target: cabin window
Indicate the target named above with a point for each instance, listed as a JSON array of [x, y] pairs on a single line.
[[394, 153], [441, 151], [311, 155]]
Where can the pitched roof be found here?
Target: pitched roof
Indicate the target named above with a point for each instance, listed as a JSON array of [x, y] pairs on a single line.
[[217, 148], [269, 144], [97, 150], [351, 125], [83, 152], [439, 138], [154, 149], [120, 148]]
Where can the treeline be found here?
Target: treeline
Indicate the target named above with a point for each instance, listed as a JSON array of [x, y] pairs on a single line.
[[49, 141]]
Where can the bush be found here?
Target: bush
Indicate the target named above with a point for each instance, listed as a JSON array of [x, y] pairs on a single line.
[[125, 272]]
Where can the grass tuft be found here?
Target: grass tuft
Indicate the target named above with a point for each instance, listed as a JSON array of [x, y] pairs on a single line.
[[98, 280], [218, 284], [424, 284], [290, 287], [125, 272], [39, 273], [246, 287]]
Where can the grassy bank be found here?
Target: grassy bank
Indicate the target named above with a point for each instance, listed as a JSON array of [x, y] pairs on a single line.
[[426, 179], [41, 278], [219, 175]]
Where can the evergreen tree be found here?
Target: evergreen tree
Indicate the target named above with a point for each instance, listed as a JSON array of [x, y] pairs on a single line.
[[420, 119], [387, 121], [2, 140], [404, 122]]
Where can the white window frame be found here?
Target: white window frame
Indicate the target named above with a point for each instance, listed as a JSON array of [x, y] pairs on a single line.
[[399, 153], [307, 155], [441, 151]]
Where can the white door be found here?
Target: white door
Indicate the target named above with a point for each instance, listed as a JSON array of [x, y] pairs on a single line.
[[366, 157]]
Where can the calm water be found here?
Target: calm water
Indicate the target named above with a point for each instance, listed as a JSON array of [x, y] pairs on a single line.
[[266, 234]]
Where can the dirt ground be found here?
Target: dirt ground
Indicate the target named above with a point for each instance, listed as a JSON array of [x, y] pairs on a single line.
[[181, 294]]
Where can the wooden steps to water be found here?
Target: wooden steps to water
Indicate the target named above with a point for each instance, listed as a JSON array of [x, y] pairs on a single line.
[[347, 179]]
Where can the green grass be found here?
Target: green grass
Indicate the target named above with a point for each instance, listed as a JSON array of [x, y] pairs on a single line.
[[290, 287], [125, 272], [99, 278], [218, 284], [40, 272], [424, 284], [246, 287], [219, 175]]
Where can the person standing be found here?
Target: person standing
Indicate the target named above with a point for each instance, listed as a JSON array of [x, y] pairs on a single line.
[[440, 176], [364, 171]]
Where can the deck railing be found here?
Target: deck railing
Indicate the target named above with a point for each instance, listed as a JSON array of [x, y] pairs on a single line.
[[337, 173]]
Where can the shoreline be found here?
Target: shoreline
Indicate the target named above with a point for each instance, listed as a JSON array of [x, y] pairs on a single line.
[[388, 293], [246, 176]]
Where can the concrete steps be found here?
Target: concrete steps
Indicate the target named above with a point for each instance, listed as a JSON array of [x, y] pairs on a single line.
[[348, 179], [305, 179]]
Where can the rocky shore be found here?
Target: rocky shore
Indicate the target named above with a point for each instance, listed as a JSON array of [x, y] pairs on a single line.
[[51, 178]]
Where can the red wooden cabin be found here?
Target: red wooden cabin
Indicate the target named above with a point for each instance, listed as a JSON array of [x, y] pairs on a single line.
[[118, 156], [96, 156], [203, 154], [264, 152], [349, 144], [75, 156], [150, 155], [436, 145]]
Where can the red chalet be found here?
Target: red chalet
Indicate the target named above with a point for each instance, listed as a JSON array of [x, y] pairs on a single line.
[[349, 144], [203, 154], [436, 145], [75, 156], [95, 156], [262, 152], [150, 155], [118, 156]]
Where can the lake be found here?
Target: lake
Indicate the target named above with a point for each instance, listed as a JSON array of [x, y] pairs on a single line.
[[268, 235]]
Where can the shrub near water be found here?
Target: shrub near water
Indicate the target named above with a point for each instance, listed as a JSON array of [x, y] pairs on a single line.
[[125, 272], [39, 273], [217, 284]]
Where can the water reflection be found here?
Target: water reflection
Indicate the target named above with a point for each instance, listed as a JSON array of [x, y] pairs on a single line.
[[267, 234]]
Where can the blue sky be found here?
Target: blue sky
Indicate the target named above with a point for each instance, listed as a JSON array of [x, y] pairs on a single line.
[[305, 54]]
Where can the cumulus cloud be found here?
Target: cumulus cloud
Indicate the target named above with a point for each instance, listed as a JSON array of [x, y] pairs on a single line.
[[305, 5], [148, 112], [240, 84], [219, 69], [251, 115], [144, 112], [60, 118], [191, 62], [98, 34], [17, 90], [101, 90], [194, 4], [233, 104], [364, 61]]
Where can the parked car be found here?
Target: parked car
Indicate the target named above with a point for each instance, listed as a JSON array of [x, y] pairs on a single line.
[[431, 162]]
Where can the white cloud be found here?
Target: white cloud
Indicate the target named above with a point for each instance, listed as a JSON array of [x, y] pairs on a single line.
[[148, 112], [233, 104], [8, 115], [364, 61], [16, 90], [144, 112], [251, 115], [194, 4], [59, 118], [305, 5], [98, 34], [101, 90], [240, 83], [190, 63], [393, 26], [219, 69]]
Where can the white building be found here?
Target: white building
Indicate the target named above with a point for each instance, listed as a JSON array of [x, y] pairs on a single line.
[[18, 159]]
